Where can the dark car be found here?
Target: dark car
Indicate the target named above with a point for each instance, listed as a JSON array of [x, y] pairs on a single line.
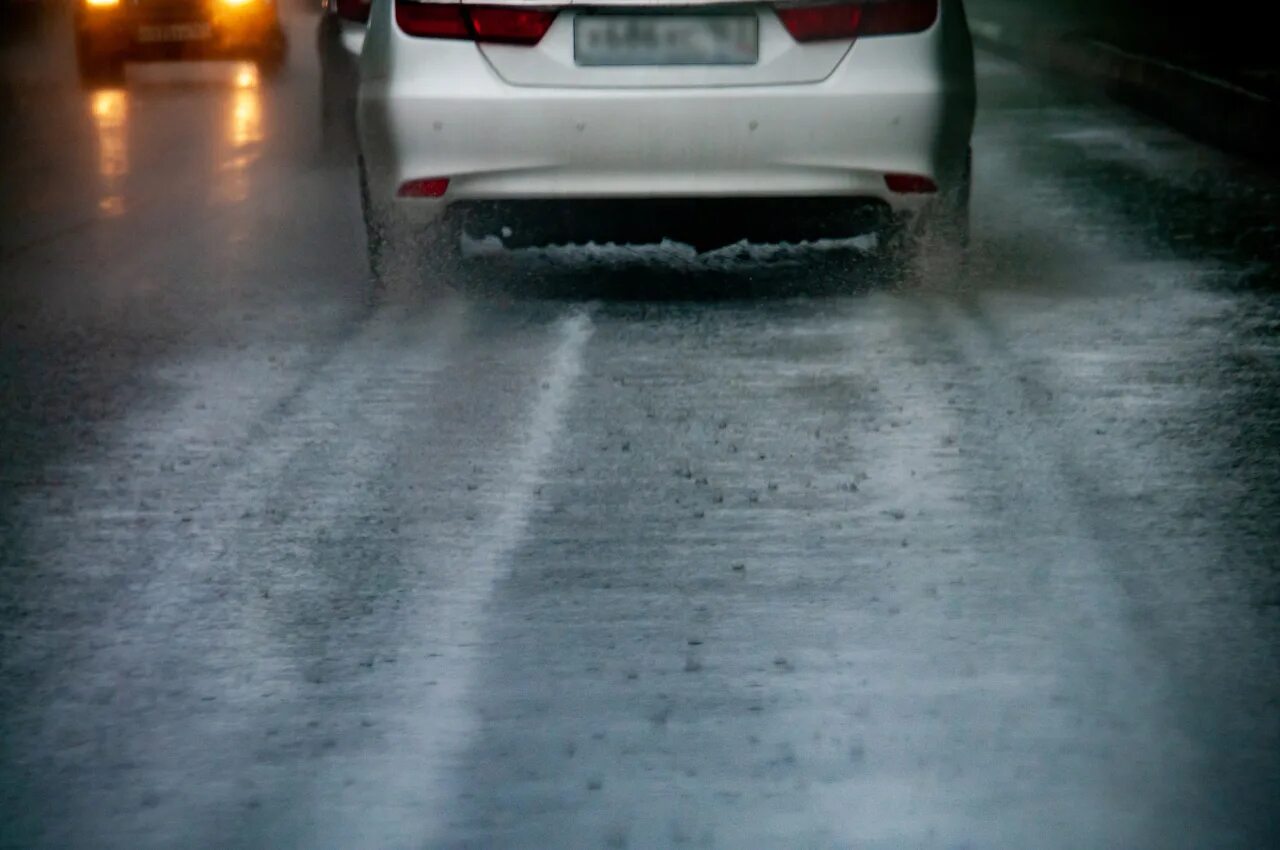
[[111, 32], [17, 16]]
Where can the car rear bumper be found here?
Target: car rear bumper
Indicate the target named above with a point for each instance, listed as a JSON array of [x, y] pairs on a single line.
[[445, 113]]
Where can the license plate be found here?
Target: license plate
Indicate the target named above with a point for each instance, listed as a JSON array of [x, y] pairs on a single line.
[[666, 39], [175, 32]]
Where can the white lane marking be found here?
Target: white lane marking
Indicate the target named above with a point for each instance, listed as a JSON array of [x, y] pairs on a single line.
[[169, 611], [403, 798], [1208, 79]]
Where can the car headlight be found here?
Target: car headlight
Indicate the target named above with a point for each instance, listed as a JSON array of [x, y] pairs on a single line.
[[236, 4], [101, 4]]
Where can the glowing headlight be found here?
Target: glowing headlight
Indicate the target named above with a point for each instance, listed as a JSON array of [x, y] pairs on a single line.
[[236, 4], [101, 4]]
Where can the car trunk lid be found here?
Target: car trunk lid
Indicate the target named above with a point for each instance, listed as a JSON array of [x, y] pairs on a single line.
[[629, 43], [616, 44], [664, 43]]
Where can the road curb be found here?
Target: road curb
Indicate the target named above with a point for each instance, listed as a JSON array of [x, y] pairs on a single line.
[[1207, 108]]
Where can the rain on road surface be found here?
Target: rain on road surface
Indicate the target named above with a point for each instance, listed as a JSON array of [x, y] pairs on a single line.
[[666, 554]]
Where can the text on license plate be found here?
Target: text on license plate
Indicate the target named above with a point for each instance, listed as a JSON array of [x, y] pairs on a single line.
[[175, 32], [659, 39]]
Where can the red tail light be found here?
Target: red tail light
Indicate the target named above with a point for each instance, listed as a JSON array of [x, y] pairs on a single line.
[[510, 25], [910, 184], [489, 24], [432, 20], [819, 23], [898, 17], [851, 20]]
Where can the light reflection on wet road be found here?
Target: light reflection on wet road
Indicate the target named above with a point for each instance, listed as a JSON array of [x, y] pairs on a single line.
[[673, 554]]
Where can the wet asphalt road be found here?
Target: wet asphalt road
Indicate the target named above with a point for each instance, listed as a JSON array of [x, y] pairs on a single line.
[[756, 551]]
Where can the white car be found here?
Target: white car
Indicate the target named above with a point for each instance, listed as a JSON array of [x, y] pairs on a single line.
[[635, 120]]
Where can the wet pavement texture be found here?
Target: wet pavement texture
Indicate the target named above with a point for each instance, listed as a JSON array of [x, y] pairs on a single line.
[[627, 548]]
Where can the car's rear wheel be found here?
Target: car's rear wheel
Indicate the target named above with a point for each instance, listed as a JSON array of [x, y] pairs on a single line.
[[939, 232], [98, 67], [398, 250], [377, 232]]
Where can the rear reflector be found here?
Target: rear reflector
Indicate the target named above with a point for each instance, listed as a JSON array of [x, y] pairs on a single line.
[[520, 25], [851, 20], [910, 184], [425, 187]]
